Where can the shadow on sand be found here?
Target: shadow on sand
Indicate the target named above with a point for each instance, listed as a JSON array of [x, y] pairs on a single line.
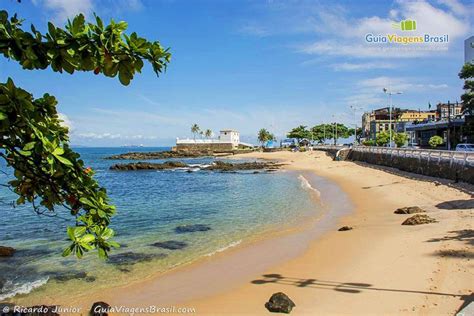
[[346, 287]]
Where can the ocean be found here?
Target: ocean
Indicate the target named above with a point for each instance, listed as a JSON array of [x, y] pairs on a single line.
[[237, 207]]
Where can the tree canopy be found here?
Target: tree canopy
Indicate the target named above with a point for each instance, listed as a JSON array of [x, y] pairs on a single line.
[[47, 172], [264, 136], [467, 73], [299, 132]]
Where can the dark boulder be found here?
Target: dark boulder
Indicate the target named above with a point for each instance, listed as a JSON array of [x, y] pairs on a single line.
[[149, 166], [170, 244], [191, 228], [419, 219], [409, 210], [6, 251], [160, 155], [344, 228], [280, 303], [130, 258], [99, 309]]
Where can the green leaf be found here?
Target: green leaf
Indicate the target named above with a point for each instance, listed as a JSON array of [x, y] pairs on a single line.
[[29, 146], [2, 116], [87, 202], [64, 161], [67, 251], [88, 238]]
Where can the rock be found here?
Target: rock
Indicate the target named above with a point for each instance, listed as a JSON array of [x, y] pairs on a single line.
[[6, 251], [170, 244], [227, 166], [130, 258], [344, 228], [191, 228], [149, 166], [409, 210], [418, 220], [160, 155], [99, 309], [280, 303], [70, 276]]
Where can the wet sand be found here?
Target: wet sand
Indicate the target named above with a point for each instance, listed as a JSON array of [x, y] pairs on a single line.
[[378, 268]]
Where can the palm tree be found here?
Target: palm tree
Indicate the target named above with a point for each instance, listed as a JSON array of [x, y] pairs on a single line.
[[264, 136], [208, 133], [195, 129]]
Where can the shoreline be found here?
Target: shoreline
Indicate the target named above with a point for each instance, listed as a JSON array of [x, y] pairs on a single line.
[[379, 267], [169, 287]]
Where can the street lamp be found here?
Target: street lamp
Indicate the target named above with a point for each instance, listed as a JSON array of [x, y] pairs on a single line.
[[355, 109], [390, 93]]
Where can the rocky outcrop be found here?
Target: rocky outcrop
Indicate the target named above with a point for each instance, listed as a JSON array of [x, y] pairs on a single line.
[[191, 228], [419, 219], [6, 251], [170, 244], [227, 166], [159, 155], [131, 258], [216, 166], [149, 166], [280, 303], [345, 228], [409, 210]]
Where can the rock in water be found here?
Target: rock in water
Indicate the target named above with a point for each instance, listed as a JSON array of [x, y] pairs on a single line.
[[418, 220], [99, 309], [170, 244], [191, 228], [344, 228], [280, 303], [409, 210], [6, 251]]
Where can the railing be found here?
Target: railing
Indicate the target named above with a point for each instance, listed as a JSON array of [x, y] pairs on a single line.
[[454, 157]]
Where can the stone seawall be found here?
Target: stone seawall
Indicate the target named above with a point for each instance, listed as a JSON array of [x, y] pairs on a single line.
[[441, 168]]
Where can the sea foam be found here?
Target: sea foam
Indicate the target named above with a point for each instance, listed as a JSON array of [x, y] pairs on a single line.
[[25, 288], [307, 186], [232, 244]]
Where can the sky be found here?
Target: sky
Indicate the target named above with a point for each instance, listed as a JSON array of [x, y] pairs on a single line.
[[251, 64]]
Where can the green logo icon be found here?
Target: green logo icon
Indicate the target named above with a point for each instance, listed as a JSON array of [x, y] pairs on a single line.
[[405, 25]]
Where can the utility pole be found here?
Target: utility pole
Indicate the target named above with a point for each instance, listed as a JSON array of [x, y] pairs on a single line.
[[390, 93], [449, 126]]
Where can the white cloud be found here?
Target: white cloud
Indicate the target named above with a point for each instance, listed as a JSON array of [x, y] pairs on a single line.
[[61, 10], [345, 36], [362, 66], [398, 84], [66, 122], [64, 9], [254, 29]]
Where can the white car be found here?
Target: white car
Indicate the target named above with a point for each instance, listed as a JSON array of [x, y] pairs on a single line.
[[465, 147]]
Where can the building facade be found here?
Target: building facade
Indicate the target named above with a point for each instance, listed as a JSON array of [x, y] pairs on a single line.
[[469, 50]]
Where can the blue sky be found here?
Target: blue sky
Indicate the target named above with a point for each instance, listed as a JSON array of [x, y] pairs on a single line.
[[251, 64]]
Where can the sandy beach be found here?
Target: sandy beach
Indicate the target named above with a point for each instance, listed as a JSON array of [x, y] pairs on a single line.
[[380, 267]]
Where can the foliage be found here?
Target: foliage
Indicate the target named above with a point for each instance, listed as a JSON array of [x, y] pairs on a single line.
[[195, 129], [81, 46], [265, 136], [435, 141], [47, 171], [369, 142], [383, 138], [208, 133], [400, 139], [322, 132], [299, 132], [467, 73]]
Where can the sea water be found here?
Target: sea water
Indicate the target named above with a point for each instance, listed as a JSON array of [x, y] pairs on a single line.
[[238, 207]]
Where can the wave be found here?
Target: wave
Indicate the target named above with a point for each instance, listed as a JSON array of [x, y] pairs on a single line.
[[307, 186], [13, 289], [231, 245]]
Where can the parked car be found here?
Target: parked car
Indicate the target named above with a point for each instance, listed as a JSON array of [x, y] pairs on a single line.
[[465, 147]]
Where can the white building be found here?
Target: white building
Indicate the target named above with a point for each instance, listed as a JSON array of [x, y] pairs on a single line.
[[230, 136], [228, 139]]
